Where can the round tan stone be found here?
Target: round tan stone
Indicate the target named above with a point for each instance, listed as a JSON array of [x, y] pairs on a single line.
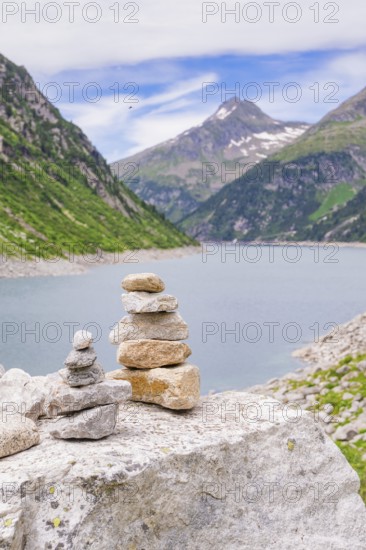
[[151, 354], [147, 282]]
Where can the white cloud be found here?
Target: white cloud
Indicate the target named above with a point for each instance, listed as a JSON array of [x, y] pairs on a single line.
[[323, 89], [123, 131], [119, 131], [170, 29]]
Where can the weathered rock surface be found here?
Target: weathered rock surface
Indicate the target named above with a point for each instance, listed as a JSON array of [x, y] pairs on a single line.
[[147, 282], [84, 376], [78, 359], [20, 393], [93, 423], [16, 375], [173, 388], [82, 339], [17, 433], [64, 399], [210, 478], [155, 326], [150, 354], [144, 302]]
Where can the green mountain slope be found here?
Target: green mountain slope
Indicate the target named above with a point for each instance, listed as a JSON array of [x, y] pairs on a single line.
[[312, 189], [174, 175], [56, 188]]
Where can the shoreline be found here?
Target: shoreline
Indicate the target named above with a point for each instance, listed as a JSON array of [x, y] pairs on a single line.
[[339, 244], [331, 386], [17, 268], [11, 268], [348, 340]]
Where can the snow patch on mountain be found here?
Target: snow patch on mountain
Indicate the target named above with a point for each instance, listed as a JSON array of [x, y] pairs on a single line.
[[223, 112]]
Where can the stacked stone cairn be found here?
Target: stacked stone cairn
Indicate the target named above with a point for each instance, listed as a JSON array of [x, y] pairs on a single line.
[[151, 350], [82, 403]]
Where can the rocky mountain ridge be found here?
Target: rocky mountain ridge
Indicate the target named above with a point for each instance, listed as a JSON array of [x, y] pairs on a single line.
[[56, 189], [312, 189], [177, 175]]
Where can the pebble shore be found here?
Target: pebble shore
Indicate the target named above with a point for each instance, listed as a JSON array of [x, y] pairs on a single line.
[[13, 268], [332, 384]]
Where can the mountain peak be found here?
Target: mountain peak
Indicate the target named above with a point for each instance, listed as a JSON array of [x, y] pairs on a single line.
[[172, 174], [242, 108]]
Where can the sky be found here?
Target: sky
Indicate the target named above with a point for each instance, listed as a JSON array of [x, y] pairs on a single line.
[[134, 74]]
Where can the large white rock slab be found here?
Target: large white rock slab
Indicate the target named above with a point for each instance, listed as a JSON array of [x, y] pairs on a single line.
[[144, 302], [227, 474], [63, 399], [154, 326], [17, 433], [93, 423]]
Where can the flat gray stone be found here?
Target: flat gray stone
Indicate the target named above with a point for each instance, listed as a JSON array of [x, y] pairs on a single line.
[[17, 433], [93, 423], [145, 302], [63, 399], [78, 359], [84, 376], [154, 326]]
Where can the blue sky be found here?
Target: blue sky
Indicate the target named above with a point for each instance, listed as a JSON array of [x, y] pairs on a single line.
[[167, 56]]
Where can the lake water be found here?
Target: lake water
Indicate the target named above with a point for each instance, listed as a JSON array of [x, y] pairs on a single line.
[[245, 316]]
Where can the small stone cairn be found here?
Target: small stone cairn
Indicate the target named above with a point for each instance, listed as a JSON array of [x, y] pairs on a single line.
[[83, 404], [151, 348]]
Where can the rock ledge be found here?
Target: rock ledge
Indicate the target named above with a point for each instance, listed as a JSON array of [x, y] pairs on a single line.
[[235, 472]]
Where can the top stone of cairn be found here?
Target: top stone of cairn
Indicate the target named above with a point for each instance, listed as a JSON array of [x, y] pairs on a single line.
[[145, 282], [82, 340]]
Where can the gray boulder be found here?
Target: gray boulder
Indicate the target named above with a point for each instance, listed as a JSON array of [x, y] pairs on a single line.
[[231, 473]]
